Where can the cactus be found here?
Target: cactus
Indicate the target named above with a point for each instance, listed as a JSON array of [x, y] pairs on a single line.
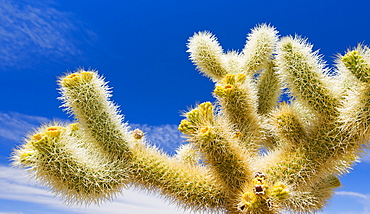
[[249, 152]]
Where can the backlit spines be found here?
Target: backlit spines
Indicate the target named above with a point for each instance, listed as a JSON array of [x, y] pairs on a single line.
[[356, 63], [304, 72], [86, 96], [355, 108], [187, 154], [259, 48], [206, 53], [312, 197]]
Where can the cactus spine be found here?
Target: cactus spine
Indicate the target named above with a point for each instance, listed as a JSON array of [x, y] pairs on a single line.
[[247, 153]]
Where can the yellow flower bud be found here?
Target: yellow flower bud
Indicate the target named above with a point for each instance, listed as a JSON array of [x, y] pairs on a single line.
[[240, 78], [74, 126], [77, 78], [54, 131], [186, 126], [229, 79], [193, 115], [206, 132], [206, 111], [248, 199], [86, 76], [280, 191]]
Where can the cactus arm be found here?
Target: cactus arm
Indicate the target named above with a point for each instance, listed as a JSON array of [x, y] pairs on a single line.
[[259, 48], [356, 106], [86, 96], [188, 186], [207, 54], [269, 89], [313, 197], [226, 160], [356, 61], [56, 157], [303, 72], [237, 98]]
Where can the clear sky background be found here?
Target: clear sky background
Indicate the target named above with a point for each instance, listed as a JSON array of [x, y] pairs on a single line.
[[140, 47]]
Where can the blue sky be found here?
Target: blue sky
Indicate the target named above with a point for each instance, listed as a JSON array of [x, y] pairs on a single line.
[[140, 47]]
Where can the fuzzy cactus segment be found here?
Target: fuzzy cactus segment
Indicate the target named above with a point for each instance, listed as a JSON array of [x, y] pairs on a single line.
[[58, 158], [281, 132], [86, 96]]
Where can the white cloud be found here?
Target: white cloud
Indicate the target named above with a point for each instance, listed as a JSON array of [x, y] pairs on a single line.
[[15, 186], [13, 126], [31, 30]]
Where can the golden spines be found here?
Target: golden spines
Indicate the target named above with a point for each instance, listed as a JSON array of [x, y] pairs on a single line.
[[311, 197], [187, 154], [259, 47], [207, 54], [354, 109], [217, 145]]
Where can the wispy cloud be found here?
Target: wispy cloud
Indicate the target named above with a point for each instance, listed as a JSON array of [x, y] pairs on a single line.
[[362, 199], [16, 187], [13, 126], [31, 30], [353, 194]]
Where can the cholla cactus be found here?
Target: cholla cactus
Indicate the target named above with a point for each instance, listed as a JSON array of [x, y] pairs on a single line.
[[248, 152]]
